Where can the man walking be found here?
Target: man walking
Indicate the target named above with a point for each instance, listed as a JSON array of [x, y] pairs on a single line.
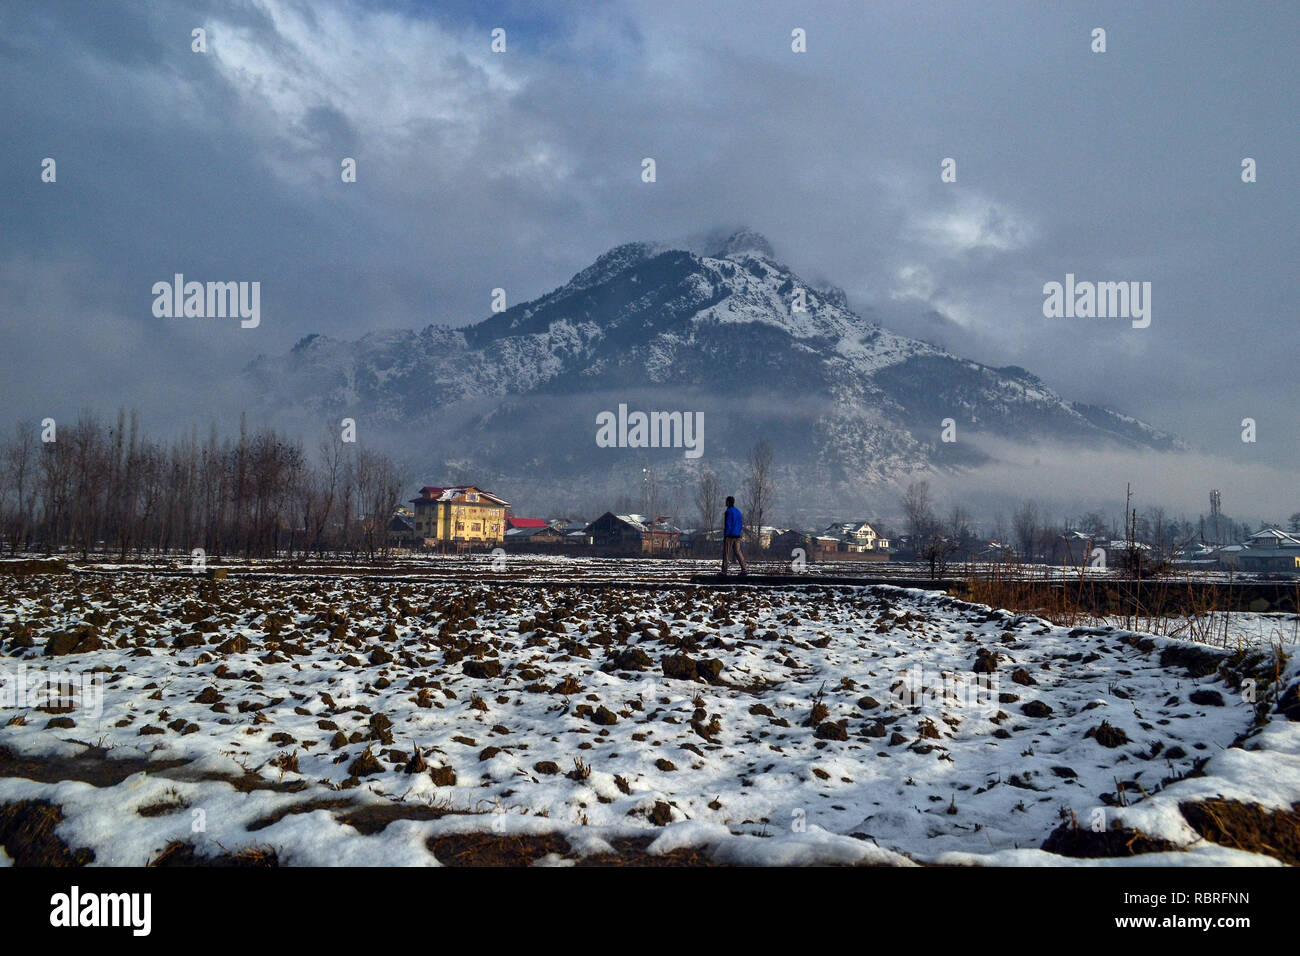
[[733, 526]]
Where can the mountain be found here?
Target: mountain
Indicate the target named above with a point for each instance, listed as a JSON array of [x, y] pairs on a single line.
[[512, 400]]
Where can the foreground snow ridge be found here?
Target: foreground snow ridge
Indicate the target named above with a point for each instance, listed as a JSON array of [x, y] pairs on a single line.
[[345, 722]]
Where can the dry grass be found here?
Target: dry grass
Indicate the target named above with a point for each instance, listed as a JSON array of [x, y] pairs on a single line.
[[1248, 826], [1183, 606], [490, 849], [179, 853], [170, 802], [1072, 840], [1014, 586], [32, 566], [28, 837]]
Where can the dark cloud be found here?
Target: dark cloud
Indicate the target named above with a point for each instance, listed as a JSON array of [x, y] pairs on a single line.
[[478, 171]]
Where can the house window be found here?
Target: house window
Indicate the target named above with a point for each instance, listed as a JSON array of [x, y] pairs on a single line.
[[477, 526]]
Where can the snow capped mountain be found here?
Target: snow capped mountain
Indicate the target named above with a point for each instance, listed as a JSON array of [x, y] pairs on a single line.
[[732, 332]]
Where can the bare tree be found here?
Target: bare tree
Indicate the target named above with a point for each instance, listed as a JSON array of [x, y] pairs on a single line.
[[104, 489], [708, 499], [319, 487], [918, 510], [19, 484], [959, 529], [927, 533], [758, 484], [1155, 527], [937, 548], [1094, 524], [152, 477], [1025, 522], [1000, 529], [89, 465], [378, 488]]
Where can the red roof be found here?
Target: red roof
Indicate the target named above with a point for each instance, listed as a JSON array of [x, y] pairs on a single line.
[[514, 522]]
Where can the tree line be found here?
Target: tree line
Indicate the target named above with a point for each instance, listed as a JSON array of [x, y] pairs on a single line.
[[758, 486], [1035, 536], [104, 487]]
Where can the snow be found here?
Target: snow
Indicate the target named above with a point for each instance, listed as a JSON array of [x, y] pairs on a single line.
[[1208, 854], [974, 779]]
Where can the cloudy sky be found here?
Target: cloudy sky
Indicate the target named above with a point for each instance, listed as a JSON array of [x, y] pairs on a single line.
[[478, 170]]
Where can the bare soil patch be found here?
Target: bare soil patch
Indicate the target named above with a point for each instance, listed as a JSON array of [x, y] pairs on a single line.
[[1070, 839], [27, 835], [1248, 826]]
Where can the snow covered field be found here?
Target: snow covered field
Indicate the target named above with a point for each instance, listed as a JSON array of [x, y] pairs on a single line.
[[349, 722], [1225, 629], [549, 568]]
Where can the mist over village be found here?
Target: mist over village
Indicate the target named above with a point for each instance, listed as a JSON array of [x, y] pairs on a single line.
[[629, 436]]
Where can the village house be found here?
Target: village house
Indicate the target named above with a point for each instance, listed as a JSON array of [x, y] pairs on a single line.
[[1271, 549], [575, 532], [702, 543], [857, 536], [783, 543], [533, 534], [634, 534], [1196, 555], [841, 541], [462, 517], [761, 537], [1073, 548], [401, 529], [1120, 552], [514, 524], [823, 547], [996, 552]]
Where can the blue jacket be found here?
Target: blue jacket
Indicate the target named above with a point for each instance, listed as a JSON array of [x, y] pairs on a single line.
[[733, 525]]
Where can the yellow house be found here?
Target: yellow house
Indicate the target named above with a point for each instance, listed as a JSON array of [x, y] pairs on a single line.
[[465, 515]]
